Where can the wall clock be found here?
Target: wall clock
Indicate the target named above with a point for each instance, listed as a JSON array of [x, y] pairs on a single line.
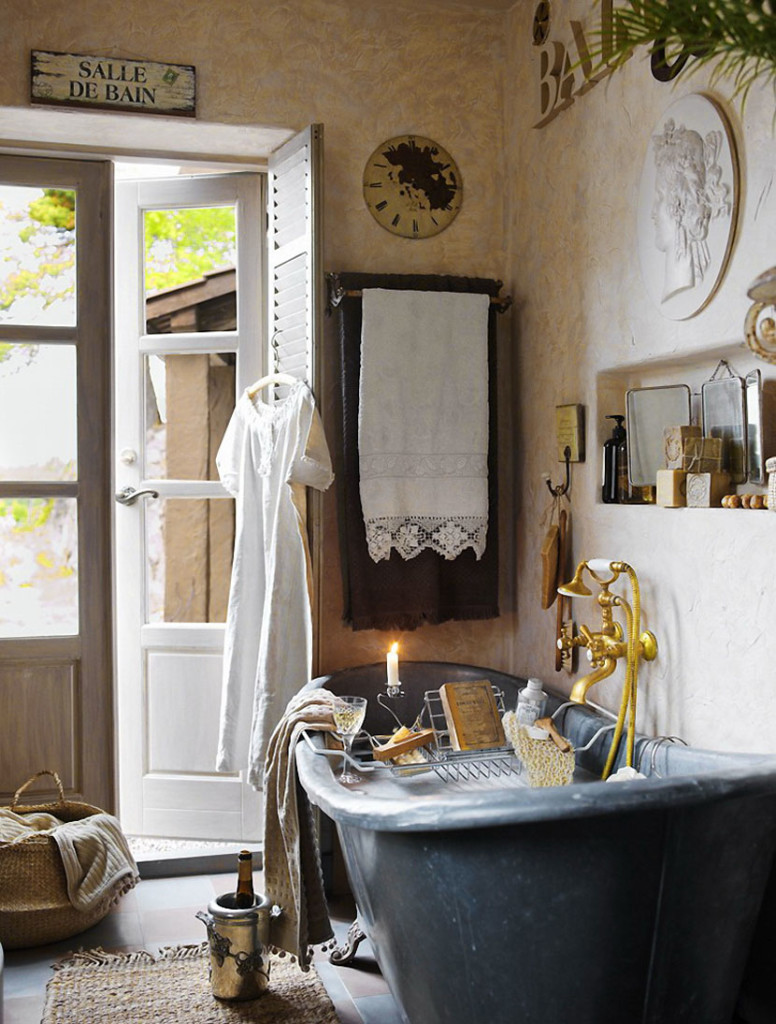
[[412, 186], [541, 23]]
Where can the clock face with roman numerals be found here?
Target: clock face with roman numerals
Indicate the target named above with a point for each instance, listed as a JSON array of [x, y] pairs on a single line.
[[412, 186]]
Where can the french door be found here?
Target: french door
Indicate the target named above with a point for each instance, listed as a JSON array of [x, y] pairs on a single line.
[[181, 356], [183, 353], [55, 472]]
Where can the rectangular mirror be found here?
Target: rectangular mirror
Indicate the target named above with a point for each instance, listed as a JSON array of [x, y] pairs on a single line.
[[649, 411], [754, 427], [724, 415]]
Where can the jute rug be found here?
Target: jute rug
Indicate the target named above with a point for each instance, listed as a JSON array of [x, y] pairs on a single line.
[[137, 988]]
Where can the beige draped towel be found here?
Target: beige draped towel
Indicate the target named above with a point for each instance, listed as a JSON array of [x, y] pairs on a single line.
[[99, 866], [292, 871]]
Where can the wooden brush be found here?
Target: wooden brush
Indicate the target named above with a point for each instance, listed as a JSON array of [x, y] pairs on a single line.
[[549, 726]]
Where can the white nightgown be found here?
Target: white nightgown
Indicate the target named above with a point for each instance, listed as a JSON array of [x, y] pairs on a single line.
[[269, 454]]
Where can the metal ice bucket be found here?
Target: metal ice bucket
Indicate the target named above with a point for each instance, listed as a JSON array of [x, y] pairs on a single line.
[[239, 966]]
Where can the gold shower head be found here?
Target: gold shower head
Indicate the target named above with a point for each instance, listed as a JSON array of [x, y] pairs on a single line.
[[575, 587]]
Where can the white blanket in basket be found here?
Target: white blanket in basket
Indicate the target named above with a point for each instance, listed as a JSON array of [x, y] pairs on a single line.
[[98, 863]]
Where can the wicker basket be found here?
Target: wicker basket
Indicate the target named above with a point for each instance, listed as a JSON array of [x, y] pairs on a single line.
[[34, 905]]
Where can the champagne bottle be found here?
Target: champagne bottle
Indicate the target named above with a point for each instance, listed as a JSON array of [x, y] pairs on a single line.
[[243, 897]]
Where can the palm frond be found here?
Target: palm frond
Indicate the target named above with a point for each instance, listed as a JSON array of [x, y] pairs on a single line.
[[737, 36]]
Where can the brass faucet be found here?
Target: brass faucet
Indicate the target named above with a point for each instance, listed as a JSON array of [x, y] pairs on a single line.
[[610, 643]]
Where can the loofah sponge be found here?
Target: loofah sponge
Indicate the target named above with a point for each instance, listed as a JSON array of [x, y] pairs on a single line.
[[544, 763]]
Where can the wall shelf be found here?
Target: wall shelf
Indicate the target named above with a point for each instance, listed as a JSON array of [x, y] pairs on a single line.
[[692, 368]]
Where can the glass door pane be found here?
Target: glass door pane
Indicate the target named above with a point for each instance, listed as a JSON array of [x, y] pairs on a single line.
[[190, 275], [38, 567], [189, 399], [190, 279], [38, 436], [37, 255], [38, 414], [189, 544]]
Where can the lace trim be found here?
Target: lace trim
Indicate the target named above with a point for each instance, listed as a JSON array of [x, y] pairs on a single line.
[[270, 417], [447, 535], [397, 464]]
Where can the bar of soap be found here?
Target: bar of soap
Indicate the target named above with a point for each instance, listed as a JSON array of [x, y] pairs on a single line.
[[402, 741], [674, 442], [706, 490], [671, 488]]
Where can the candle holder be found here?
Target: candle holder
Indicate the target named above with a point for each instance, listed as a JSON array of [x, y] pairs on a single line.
[[394, 689], [381, 700]]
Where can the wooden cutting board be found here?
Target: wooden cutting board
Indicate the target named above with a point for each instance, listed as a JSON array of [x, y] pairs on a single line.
[[550, 554]]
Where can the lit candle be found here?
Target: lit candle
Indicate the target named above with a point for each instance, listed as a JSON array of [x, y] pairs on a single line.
[[393, 665]]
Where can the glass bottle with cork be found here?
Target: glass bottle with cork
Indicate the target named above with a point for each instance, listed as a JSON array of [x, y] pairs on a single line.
[[611, 483], [244, 895]]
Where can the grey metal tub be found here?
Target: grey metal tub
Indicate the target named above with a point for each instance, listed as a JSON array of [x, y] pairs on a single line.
[[597, 903]]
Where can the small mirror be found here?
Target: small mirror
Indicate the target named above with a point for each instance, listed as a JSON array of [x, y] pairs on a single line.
[[754, 427], [724, 415], [649, 411]]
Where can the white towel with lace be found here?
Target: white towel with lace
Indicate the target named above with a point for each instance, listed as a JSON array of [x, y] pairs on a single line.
[[423, 422]]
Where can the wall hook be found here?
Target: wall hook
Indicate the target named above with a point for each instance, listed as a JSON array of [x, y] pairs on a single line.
[[560, 489]]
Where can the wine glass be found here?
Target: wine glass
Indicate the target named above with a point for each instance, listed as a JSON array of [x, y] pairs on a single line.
[[349, 715]]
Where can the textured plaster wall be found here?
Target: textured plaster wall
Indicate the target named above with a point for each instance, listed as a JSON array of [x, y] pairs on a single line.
[[586, 330], [367, 71]]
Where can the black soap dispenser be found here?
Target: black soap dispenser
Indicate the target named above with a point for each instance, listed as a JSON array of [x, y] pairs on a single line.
[[610, 492]]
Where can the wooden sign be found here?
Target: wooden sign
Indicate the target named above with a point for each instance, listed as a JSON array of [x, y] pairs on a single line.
[[111, 83]]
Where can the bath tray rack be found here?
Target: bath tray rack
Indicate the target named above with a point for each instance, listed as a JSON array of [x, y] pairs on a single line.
[[461, 765], [442, 759], [464, 766]]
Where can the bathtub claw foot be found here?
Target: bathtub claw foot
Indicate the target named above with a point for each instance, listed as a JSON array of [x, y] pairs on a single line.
[[342, 955]]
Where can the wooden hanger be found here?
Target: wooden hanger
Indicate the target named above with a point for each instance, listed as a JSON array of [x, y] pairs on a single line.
[[271, 378]]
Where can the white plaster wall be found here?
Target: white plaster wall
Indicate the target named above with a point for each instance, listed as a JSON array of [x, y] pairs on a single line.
[[586, 323]]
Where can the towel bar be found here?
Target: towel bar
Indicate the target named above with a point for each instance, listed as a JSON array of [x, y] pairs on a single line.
[[337, 293]]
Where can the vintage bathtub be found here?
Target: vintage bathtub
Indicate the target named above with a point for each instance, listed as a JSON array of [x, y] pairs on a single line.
[[594, 903]]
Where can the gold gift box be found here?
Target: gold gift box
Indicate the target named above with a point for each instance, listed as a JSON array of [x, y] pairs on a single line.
[[702, 455]]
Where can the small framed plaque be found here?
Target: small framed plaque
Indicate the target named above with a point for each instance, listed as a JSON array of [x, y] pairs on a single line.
[[570, 431], [112, 83]]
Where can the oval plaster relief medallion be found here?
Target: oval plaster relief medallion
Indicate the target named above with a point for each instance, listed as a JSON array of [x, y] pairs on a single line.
[[688, 205]]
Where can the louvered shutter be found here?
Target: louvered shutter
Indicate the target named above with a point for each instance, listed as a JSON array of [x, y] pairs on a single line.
[[295, 256]]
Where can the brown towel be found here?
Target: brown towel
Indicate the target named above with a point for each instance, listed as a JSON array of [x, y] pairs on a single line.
[[292, 867], [394, 593]]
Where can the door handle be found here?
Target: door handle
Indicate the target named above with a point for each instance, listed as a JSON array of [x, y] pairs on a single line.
[[128, 495]]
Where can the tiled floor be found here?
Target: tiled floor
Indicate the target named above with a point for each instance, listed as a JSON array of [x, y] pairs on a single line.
[[160, 912]]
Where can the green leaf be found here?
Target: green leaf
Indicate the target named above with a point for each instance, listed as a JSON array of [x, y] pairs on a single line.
[[737, 36], [183, 245]]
